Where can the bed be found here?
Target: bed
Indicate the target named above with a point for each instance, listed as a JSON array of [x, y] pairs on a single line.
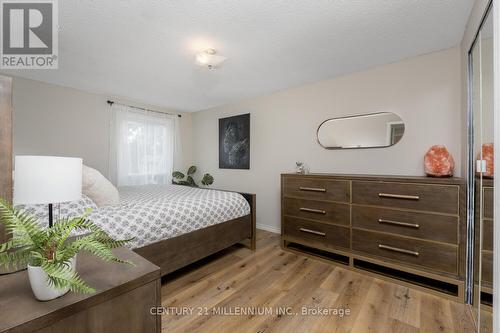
[[206, 221], [152, 214]]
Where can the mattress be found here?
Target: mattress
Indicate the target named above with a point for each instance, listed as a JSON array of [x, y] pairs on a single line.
[[152, 213]]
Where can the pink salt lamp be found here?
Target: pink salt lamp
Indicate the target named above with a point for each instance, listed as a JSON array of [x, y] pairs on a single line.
[[438, 162], [488, 156]]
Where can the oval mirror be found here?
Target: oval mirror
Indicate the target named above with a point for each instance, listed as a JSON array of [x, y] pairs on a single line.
[[374, 130]]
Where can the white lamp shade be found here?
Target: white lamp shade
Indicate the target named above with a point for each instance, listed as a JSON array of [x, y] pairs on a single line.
[[47, 179]]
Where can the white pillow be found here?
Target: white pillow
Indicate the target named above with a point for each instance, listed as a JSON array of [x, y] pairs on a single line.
[[98, 188]]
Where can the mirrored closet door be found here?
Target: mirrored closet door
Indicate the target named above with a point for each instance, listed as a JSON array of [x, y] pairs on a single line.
[[482, 172]]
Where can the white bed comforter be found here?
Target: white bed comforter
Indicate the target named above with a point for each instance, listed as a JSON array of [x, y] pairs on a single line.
[[152, 213]]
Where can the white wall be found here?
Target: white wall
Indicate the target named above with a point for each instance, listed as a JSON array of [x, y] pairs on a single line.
[[55, 120], [425, 91]]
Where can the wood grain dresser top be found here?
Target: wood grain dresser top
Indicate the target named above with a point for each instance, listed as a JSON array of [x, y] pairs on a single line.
[[394, 178]]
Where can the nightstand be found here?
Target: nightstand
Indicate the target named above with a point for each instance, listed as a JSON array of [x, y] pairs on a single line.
[[123, 301]]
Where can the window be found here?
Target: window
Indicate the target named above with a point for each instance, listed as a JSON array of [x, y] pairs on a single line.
[[142, 146]]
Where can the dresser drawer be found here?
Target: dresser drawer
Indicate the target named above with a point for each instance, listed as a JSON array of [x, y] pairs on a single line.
[[488, 235], [331, 212], [320, 189], [434, 256], [488, 202], [424, 197], [316, 233], [487, 266], [439, 228]]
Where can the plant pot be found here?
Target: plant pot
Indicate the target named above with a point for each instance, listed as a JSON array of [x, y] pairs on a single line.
[[40, 286]]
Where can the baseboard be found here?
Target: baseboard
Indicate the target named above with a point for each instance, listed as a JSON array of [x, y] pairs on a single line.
[[268, 228]]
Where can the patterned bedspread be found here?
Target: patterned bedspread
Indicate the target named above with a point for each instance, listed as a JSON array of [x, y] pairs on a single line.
[[152, 213]]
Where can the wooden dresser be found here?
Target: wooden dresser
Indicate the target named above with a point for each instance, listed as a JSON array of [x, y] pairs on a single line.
[[408, 229]]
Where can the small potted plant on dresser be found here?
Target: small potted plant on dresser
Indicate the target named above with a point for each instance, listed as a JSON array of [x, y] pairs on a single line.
[[49, 253]]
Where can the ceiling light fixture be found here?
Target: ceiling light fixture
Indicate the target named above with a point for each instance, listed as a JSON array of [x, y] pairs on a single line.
[[209, 59]]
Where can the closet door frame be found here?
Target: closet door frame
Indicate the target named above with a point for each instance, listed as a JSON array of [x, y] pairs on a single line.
[[496, 113]]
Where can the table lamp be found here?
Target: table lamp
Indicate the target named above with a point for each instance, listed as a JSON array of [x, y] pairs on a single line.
[[47, 180]]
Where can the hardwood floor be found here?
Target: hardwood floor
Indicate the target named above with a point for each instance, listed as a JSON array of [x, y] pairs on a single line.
[[271, 279], [486, 321]]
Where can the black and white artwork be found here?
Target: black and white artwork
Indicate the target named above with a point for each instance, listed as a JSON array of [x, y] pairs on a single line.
[[234, 142]]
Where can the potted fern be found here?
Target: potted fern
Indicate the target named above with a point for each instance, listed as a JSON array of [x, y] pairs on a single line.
[[49, 253]]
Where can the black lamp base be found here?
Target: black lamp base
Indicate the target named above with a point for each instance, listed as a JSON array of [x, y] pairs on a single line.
[[51, 217]]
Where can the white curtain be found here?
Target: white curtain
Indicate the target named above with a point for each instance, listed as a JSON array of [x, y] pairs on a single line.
[[143, 146]]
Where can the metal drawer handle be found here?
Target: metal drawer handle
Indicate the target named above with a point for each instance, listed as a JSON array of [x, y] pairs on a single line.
[[396, 249], [314, 232], [402, 224], [399, 196], [312, 189], [310, 210]]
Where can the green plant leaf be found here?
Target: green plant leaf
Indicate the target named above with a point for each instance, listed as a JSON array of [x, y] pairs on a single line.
[[15, 259], [191, 181], [207, 180], [19, 224], [112, 243], [191, 170], [61, 276], [178, 175], [62, 230], [7, 245], [98, 245]]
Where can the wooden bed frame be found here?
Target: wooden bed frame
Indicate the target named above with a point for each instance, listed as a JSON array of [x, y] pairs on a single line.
[[174, 253], [170, 254]]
